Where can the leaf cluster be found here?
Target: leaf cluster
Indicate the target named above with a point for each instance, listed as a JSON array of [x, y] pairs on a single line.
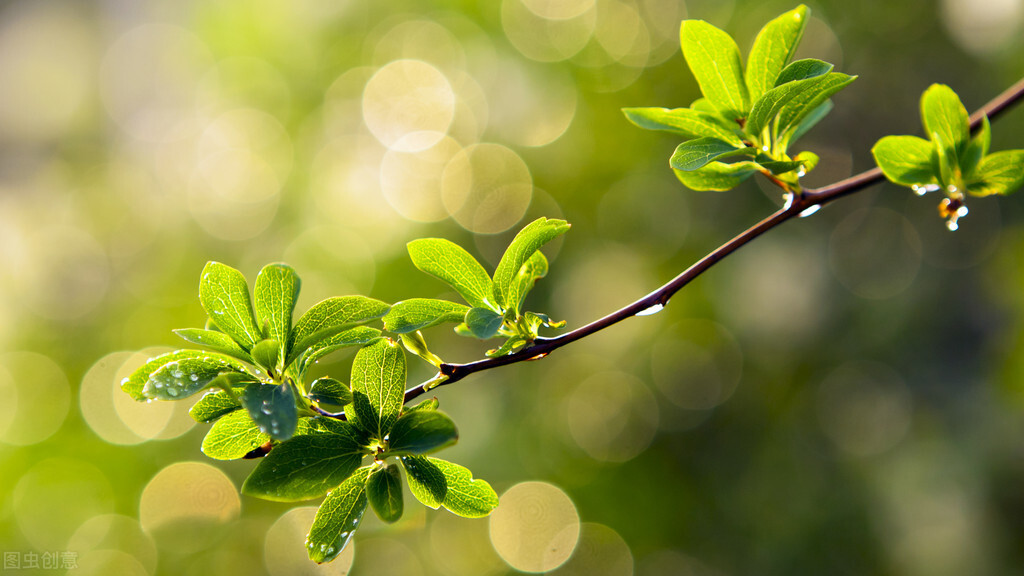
[[254, 362], [950, 160], [753, 114]]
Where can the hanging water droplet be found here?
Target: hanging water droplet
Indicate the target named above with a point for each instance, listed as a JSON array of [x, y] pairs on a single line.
[[652, 310], [952, 225], [810, 211], [801, 172], [788, 197]]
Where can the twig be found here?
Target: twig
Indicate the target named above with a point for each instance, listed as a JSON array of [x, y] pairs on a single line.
[[809, 198]]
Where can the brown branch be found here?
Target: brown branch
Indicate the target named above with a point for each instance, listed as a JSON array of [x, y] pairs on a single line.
[[808, 199]]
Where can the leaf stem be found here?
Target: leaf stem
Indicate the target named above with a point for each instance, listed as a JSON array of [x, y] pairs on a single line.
[[810, 198]]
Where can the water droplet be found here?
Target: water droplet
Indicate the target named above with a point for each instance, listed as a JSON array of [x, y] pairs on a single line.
[[801, 172], [172, 391], [266, 409], [810, 211], [922, 189], [788, 197], [330, 549], [952, 225], [652, 310], [159, 385], [178, 373], [194, 377]]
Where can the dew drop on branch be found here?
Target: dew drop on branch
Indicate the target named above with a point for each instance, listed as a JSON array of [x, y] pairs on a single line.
[[652, 310]]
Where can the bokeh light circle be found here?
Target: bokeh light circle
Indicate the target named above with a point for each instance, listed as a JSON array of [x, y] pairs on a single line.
[[185, 503], [96, 399], [107, 562], [284, 549], [612, 416], [67, 272], [411, 181], [697, 364], [55, 497], [486, 188], [114, 532], [148, 420], [408, 97], [535, 527], [858, 240], [864, 407], [41, 393], [462, 548]]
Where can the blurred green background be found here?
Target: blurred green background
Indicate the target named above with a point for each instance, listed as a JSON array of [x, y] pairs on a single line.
[[843, 396]]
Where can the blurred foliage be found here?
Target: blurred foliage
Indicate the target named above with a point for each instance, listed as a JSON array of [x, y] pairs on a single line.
[[842, 396]]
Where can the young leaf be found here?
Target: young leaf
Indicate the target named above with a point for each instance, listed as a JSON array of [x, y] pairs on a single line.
[[683, 121], [509, 346], [337, 519], [266, 354], [526, 242], [414, 342], [428, 404], [998, 173], [378, 387], [134, 384], [330, 391], [272, 407], [802, 70], [436, 482], [978, 147], [905, 160], [329, 317], [947, 159], [421, 432], [233, 436], [717, 176], [224, 295], [534, 269], [216, 341], [694, 154], [714, 59], [307, 466], [807, 102], [183, 377], [275, 292], [483, 323], [943, 113], [384, 491], [358, 336], [451, 264], [772, 50], [419, 313], [792, 101], [213, 405], [809, 121]]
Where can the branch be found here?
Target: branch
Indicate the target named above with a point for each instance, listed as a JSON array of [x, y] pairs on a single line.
[[809, 198]]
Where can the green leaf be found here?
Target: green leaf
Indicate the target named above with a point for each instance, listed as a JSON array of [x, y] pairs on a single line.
[[694, 154], [213, 405], [947, 160], [134, 384], [510, 345], [717, 176], [809, 121], [772, 50], [419, 313], [188, 374], [276, 290], [415, 343], [330, 391], [331, 316], [683, 121], [808, 101], [421, 432], [378, 387], [526, 242], [358, 336], [216, 341], [451, 264], [428, 404], [714, 59], [436, 482], [267, 354], [906, 160], [233, 436], [338, 518], [777, 166], [998, 173], [534, 269], [943, 113], [272, 407], [792, 101], [483, 323], [978, 148], [802, 70], [307, 466], [384, 491], [224, 295], [703, 105]]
